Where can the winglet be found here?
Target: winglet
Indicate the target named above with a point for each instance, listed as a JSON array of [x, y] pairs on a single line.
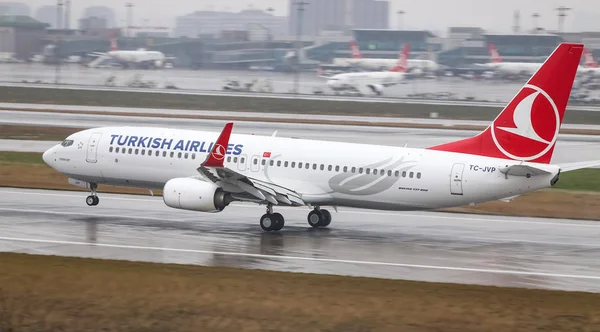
[[217, 154]]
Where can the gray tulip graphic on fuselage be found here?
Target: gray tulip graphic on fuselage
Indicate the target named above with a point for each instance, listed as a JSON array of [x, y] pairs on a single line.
[[368, 184]]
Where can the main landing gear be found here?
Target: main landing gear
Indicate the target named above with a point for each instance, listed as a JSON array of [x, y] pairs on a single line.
[[274, 221], [93, 200]]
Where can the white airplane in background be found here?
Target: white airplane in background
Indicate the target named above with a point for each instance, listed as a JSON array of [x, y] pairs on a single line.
[[357, 60], [373, 81], [206, 171], [137, 58], [590, 66]]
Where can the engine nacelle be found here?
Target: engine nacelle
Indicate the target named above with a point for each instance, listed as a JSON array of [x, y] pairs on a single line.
[[159, 63], [196, 195], [377, 88]]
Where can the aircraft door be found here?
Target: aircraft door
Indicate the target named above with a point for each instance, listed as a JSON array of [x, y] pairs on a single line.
[[456, 178], [92, 148], [255, 163]]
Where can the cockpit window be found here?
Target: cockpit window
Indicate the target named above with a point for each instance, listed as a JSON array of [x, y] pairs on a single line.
[[67, 142]]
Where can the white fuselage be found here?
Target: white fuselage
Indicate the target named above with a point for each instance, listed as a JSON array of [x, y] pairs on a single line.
[[528, 68], [375, 81], [322, 172], [137, 56], [386, 64]]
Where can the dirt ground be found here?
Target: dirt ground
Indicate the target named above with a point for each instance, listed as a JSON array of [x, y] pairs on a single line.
[[48, 293]]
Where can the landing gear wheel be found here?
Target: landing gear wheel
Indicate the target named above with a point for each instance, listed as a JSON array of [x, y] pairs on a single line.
[[314, 218], [326, 218], [280, 221], [92, 200], [268, 222]]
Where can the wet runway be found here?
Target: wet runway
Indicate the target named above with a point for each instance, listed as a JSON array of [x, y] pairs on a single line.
[[441, 247]]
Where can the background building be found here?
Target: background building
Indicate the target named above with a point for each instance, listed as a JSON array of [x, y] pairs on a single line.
[[47, 14], [340, 15], [14, 8], [213, 22], [101, 12], [20, 36]]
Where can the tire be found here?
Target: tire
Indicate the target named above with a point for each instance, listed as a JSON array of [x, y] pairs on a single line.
[[326, 218], [96, 200], [267, 222], [314, 218], [90, 200], [280, 221]]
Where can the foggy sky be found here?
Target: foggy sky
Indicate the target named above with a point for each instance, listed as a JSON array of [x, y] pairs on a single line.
[[492, 15]]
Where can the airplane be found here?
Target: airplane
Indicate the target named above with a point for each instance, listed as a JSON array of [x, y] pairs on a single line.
[[590, 66], [374, 81], [357, 60], [137, 58], [528, 68], [207, 171]]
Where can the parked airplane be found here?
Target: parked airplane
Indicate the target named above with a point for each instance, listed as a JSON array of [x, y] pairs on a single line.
[[357, 60], [590, 66], [374, 81], [136, 58], [206, 171]]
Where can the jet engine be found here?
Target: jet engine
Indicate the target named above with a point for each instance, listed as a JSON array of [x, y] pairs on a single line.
[[377, 88], [196, 195], [158, 63]]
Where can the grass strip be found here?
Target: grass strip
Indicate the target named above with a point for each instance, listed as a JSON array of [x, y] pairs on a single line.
[[49, 293]]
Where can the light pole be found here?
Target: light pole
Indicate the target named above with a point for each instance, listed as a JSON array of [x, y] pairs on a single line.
[[270, 10], [535, 17], [562, 13], [57, 49], [129, 7], [400, 14], [300, 9]]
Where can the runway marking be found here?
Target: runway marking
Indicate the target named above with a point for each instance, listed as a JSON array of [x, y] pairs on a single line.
[[428, 214], [299, 258]]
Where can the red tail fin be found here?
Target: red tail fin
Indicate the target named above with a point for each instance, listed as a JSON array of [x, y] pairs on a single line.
[[113, 44], [402, 64], [217, 154], [494, 55], [527, 128], [355, 50], [588, 59]]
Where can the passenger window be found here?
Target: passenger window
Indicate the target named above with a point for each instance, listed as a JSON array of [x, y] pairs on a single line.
[[382, 172], [389, 173], [307, 165], [157, 153], [186, 155], [403, 174], [374, 171], [130, 150], [337, 168], [172, 154], [137, 151], [242, 160], [293, 164], [149, 152], [164, 153], [368, 171], [411, 175], [322, 167], [229, 159], [193, 156], [397, 173], [279, 163], [345, 169], [264, 162], [143, 152], [285, 164], [329, 168], [271, 162], [235, 159], [299, 165], [419, 175], [360, 170], [353, 169], [117, 150], [110, 149], [255, 161], [314, 166]]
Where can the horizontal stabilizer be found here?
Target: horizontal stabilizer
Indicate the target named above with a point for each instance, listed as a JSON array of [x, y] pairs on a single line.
[[578, 165], [523, 170]]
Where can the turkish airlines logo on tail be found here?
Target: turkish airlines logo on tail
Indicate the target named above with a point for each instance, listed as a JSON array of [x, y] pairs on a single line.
[[494, 55], [218, 152], [355, 51], [528, 127]]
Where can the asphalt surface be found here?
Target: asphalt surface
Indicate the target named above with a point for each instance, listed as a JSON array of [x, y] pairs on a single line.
[[213, 80], [427, 246]]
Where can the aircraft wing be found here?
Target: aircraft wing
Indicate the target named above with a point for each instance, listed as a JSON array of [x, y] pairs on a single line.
[[247, 188], [523, 170], [578, 165]]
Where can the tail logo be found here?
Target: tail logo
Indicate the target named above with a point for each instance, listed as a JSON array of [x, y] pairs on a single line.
[[218, 152], [530, 129]]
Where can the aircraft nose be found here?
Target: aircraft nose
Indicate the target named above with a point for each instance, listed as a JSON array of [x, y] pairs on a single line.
[[47, 156]]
